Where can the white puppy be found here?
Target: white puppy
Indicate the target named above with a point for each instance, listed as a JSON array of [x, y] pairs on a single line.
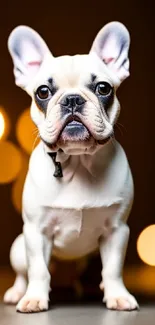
[[79, 190]]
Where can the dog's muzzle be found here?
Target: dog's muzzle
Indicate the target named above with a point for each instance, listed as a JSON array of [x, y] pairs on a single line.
[[72, 108]]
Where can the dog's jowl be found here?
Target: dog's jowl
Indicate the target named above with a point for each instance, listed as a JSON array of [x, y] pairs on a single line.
[[79, 189]]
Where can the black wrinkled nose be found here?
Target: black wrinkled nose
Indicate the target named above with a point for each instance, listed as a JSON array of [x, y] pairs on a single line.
[[72, 102]]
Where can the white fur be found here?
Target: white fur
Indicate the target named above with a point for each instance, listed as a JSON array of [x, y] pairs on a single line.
[[88, 207]]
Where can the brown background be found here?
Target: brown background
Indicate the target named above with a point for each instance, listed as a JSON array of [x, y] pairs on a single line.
[[69, 27]]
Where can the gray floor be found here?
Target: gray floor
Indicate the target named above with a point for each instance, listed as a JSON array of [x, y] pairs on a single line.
[[74, 315]]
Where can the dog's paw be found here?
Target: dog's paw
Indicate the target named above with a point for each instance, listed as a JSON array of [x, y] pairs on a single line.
[[32, 305], [127, 303], [12, 296]]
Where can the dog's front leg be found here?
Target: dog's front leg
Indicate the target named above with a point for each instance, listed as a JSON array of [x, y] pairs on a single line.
[[38, 249], [113, 250]]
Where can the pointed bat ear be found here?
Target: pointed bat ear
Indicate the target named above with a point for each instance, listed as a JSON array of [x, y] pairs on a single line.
[[112, 45], [27, 50]]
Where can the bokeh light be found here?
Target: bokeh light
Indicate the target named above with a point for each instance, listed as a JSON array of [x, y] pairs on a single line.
[[26, 132], [17, 187], [10, 162], [146, 245], [4, 124]]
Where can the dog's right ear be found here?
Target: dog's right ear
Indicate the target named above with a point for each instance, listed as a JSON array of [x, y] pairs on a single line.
[[28, 50]]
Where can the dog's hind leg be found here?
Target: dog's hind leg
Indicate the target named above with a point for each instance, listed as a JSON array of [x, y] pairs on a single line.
[[19, 265]]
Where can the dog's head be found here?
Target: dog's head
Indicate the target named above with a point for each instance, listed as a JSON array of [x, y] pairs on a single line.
[[74, 103]]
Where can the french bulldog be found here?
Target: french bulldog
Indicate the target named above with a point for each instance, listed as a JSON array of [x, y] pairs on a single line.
[[79, 189]]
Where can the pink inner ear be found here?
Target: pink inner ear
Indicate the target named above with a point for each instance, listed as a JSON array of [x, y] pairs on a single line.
[[34, 63], [108, 60]]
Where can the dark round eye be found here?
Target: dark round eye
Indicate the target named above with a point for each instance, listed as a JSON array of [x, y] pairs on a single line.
[[43, 92], [103, 88]]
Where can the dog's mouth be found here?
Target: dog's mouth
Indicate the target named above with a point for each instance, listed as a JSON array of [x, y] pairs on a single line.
[[74, 130]]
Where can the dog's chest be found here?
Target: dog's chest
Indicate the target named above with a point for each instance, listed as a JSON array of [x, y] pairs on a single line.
[[76, 232]]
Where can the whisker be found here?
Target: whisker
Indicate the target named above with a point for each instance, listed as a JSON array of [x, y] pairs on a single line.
[[121, 125], [121, 132], [35, 140], [35, 131]]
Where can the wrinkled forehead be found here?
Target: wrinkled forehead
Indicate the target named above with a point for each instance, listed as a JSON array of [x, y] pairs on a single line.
[[71, 71]]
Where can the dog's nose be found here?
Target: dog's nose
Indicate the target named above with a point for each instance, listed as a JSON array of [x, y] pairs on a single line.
[[72, 101]]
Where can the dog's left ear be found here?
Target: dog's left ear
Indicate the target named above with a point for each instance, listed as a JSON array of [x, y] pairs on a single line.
[[112, 45]]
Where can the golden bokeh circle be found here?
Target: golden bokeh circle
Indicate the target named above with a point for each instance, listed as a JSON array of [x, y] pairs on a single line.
[[26, 132], [10, 162], [17, 187], [4, 124], [146, 245]]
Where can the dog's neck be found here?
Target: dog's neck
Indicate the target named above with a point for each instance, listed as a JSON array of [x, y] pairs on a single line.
[[94, 163]]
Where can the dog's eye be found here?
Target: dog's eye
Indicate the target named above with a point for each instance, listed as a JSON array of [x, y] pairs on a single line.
[[43, 92], [103, 88]]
